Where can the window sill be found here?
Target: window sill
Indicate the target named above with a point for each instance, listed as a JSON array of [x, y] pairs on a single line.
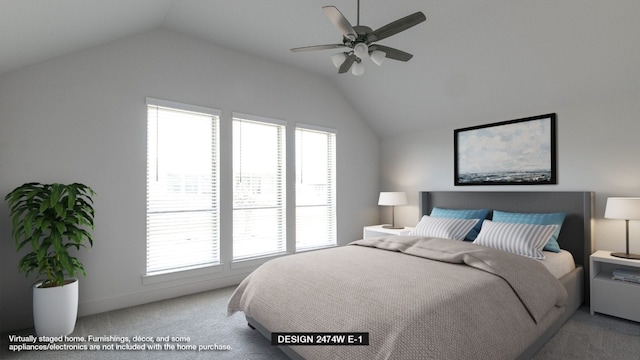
[[322, 247], [182, 274], [254, 261]]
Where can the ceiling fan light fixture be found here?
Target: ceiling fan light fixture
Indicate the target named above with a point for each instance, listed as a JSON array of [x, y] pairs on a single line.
[[360, 39], [377, 57], [361, 50], [338, 59], [357, 68]]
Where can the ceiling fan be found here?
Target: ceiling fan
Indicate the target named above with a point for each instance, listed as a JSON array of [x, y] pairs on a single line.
[[360, 41]]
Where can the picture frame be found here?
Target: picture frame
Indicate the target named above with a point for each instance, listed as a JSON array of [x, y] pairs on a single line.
[[514, 152]]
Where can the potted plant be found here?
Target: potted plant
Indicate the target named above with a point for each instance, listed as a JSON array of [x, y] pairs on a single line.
[[51, 219]]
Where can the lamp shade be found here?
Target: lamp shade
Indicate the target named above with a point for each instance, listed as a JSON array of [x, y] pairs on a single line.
[[357, 68], [378, 57], [624, 208], [361, 50], [392, 198]]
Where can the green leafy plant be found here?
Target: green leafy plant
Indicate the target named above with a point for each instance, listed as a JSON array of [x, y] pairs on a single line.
[[52, 218]]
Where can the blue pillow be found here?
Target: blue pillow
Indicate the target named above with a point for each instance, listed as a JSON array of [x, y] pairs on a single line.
[[537, 219], [463, 214]]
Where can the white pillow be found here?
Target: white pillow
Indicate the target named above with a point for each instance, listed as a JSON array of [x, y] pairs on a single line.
[[521, 239], [446, 228]]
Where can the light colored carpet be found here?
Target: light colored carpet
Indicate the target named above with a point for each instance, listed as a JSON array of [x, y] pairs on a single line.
[[593, 337], [202, 318]]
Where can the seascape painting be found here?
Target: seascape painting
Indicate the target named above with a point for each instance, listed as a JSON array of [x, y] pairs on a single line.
[[515, 152]]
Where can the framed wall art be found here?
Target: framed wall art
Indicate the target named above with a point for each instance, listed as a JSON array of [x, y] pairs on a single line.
[[515, 152]]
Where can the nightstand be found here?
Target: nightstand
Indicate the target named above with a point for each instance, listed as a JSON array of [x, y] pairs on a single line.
[[613, 297], [378, 230]]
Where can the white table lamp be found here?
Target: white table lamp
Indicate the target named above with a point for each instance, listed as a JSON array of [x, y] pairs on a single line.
[[623, 208], [392, 199]]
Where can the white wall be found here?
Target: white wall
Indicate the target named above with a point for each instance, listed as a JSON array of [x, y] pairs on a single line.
[[598, 143], [82, 117]]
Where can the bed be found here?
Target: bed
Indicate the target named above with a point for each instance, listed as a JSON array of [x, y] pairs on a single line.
[[421, 297]]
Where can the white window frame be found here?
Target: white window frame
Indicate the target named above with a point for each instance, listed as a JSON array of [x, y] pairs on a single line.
[[236, 116], [213, 266], [331, 191]]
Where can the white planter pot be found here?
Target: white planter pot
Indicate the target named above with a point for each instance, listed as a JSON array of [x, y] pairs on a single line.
[[55, 309]]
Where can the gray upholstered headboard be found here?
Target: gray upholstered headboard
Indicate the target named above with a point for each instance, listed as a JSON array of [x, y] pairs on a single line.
[[575, 236]]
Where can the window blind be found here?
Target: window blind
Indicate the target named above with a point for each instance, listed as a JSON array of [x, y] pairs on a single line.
[[182, 187], [259, 199], [315, 188]]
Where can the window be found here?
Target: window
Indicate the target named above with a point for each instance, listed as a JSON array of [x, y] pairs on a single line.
[[182, 187], [259, 201], [315, 188]]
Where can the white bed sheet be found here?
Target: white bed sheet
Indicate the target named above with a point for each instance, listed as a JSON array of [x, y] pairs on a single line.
[[559, 264]]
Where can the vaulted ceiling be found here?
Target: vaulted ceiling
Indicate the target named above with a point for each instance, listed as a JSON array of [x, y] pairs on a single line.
[[475, 61]]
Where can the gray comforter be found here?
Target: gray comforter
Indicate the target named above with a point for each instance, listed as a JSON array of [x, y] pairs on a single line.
[[418, 298]]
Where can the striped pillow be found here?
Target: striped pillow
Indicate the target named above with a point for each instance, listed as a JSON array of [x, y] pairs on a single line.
[[538, 219], [480, 214], [446, 228], [521, 239]]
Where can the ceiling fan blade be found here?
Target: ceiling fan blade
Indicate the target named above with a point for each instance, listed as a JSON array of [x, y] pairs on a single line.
[[392, 53], [396, 26], [340, 22], [318, 47], [346, 65]]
